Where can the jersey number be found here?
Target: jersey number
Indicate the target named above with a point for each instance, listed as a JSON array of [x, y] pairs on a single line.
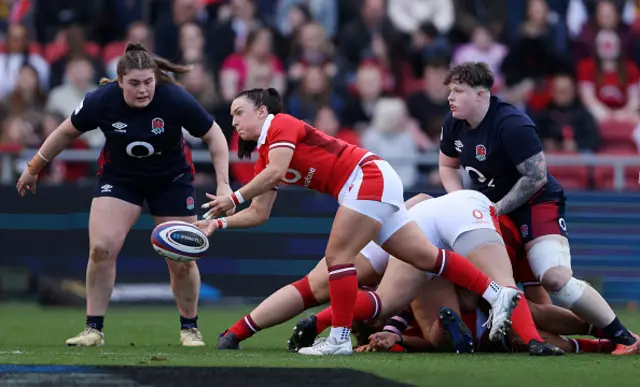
[[142, 149], [481, 178]]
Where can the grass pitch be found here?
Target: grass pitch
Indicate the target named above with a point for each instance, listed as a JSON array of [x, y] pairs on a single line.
[[148, 336]]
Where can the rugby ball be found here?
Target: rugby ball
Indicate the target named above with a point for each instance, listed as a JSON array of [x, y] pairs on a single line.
[[179, 241]]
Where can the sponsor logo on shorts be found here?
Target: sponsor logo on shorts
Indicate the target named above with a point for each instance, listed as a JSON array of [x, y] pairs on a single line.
[[190, 203], [157, 126], [524, 230], [481, 153]]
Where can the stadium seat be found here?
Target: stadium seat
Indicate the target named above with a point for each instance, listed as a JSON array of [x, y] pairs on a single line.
[[617, 133], [571, 177], [603, 178]]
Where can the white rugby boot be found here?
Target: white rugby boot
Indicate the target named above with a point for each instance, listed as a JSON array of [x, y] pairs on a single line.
[[89, 337], [501, 311], [328, 346], [191, 338]]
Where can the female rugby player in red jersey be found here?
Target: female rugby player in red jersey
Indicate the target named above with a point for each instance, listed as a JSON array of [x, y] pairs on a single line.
[[371, 200]]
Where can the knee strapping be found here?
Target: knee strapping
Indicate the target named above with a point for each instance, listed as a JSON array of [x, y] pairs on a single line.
[[303, 287], [547, 254], [570, 293]]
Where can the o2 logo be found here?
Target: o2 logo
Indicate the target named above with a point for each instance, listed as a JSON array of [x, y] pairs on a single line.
[[563, 224], [292, 176], [140, 149], [479, 176]]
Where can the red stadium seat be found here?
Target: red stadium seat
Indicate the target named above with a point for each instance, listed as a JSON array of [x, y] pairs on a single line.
[[604, 179], [617, 133], [571, 177]]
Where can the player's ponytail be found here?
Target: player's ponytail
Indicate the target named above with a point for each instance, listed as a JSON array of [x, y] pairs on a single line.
[[137, 57], [269, 98]]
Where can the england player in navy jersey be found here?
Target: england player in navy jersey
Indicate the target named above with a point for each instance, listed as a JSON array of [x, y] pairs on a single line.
[[498, 147], [145, 158]]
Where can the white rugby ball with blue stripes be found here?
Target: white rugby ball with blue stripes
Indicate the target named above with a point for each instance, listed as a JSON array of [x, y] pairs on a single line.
[[179, 241]]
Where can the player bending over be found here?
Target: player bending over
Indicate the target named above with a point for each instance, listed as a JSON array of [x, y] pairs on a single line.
[[462, 221], [498, 147], [370, 195], [145, 158]]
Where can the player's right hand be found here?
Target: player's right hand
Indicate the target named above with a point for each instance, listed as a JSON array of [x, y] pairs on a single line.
[[27, 181], [207, 226]]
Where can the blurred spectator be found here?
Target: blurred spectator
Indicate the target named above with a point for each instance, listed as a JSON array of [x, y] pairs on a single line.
[[191, 43], [256, 67], [359, 106], [482, 48], [609, 81], [426, 43], [231, 35], [166, 28], [358, 36], [471, 13], [138, 32], [390, 138], [75, 46], [199, 83], [533, 56], [312, 48], [606, 16], [408, 15], [430, 106], [58, 171], [565, 124], [327, 121], [313, 92], [290, 12], [119, 15], [79, 80], [52, 16], [18, 53], [26, 100]]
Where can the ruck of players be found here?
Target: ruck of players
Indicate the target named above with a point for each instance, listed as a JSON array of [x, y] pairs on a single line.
[[472, 270]]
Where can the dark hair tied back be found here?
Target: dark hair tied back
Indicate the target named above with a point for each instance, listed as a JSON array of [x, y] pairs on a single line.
[[270, 99]]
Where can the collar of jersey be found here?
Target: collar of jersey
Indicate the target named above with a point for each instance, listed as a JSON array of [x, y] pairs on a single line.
[[265, 129]]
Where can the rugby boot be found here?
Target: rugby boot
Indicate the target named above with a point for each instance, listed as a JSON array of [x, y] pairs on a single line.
[[539, 348], [327, 347], [500, 314], [304, 334], [228, 340], [631, 349], [89, 337], [191, 338], [458, 333]]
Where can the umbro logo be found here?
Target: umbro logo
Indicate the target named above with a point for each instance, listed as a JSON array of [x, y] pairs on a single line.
[[119, 126], [106, 188], [458, 145]]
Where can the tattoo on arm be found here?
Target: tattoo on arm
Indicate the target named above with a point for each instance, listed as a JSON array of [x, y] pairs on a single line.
[[534, 177]]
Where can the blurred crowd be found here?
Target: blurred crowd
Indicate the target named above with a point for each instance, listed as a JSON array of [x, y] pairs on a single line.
[[367, 71]]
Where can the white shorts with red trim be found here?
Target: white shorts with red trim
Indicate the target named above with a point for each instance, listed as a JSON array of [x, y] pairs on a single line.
[[374, 189]]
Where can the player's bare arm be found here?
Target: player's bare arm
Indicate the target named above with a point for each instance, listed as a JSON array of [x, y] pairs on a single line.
[[534, 177], [57, 141], [219, 150], [254, 215], [269, 178], [449, 169]]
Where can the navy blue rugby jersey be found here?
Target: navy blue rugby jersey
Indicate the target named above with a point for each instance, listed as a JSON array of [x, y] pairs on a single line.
[[490, 153], [143, 144]]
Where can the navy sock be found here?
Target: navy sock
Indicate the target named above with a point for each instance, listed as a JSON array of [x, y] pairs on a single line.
[[188, 323], [618, 333], [95, 322]]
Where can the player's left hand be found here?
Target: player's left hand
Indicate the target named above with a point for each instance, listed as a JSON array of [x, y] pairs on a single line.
[[218, 205], [383, 341], [225, 190]]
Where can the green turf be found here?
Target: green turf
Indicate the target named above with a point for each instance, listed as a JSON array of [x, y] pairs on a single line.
[[149, 336]]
